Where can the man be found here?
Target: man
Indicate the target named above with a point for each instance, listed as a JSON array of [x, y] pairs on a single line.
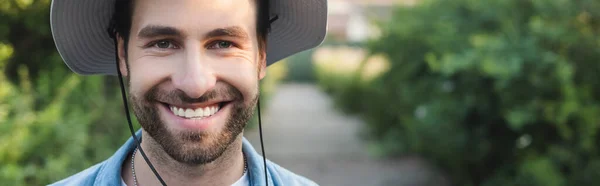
[[193, 69]]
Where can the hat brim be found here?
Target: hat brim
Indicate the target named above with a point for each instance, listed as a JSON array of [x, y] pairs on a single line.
[[79, 29]]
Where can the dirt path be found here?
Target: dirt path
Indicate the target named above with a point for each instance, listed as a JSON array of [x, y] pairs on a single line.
[[303, 133]]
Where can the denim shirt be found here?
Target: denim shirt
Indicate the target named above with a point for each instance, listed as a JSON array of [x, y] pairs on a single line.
[[108, 172]]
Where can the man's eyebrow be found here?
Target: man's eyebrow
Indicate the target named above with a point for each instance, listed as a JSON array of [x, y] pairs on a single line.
[[151, 31], [232, 31]]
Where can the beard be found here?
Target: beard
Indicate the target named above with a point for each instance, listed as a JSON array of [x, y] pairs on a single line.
[[193, 147]]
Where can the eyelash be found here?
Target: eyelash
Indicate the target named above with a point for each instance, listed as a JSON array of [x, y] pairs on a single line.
[[154, 43], [231, 44]]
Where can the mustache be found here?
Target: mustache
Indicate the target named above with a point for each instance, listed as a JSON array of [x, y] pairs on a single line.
[[177, 96]]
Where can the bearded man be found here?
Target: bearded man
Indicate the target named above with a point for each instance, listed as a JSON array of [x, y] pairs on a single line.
[[192, 69]]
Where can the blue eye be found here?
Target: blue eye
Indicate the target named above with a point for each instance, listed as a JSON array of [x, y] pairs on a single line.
[[164, 44], [224, 44], [221, 44]]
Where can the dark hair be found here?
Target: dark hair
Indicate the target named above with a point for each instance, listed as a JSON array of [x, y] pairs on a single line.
[[121, 21]]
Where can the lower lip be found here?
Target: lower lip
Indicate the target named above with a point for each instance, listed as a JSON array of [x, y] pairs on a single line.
[[197, 124]]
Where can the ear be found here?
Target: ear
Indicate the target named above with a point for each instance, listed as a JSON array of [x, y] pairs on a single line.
[[262, 65], [122, 57]]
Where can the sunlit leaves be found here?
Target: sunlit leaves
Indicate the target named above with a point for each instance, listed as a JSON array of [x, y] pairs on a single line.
[[517, 68]]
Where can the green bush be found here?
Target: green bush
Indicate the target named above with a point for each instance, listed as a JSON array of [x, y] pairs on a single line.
[[300, 67], [53, 123], [43, 143], [497, 92], [346, 72]]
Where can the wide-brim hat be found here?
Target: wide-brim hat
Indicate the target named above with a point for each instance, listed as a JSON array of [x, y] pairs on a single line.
[[79, 29]]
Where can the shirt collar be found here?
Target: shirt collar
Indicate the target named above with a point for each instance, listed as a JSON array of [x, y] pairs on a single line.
[[110, 172]]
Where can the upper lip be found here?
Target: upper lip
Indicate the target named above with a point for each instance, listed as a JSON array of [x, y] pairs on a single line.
[[195, 105]]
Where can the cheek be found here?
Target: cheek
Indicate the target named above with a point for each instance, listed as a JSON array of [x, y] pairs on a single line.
[[147, 72], [241, 74]]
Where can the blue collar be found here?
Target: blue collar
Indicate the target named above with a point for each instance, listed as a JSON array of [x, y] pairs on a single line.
[[110, 173]]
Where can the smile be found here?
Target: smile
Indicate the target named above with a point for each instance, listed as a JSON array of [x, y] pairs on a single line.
[[196, 113]]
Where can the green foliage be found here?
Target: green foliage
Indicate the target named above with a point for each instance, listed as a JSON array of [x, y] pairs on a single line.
[[43, 143], [25, 25], [53, 123], [300, 67], [346, 72], [498, 92]]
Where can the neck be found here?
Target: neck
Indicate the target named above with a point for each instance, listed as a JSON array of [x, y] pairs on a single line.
[[225, 170]]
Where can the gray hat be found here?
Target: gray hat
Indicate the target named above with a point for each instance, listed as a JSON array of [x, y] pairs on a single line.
[[79, 31]]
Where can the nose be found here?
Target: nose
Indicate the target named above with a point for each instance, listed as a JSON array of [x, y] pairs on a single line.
[[195, 77]]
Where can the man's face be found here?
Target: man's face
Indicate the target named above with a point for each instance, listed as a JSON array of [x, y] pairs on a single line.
[[193, 68]]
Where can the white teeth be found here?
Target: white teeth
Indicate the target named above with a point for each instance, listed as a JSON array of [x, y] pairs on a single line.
[[189, 113], [215, 109], [207, 112], [180, 112], [197, 113]]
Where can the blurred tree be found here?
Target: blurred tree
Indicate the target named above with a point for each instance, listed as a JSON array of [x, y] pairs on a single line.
[[48, 115], [300, 67], [25, 25], [497, 92]]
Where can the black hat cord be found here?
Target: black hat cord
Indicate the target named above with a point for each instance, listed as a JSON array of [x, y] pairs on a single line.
[[126, 107]]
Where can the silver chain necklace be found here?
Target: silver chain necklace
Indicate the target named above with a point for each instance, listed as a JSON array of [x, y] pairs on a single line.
[[133, 167]]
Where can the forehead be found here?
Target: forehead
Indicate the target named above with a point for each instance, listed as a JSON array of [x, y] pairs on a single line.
[[195, 15]]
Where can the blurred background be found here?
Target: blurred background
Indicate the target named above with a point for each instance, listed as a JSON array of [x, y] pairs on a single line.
[[405, 92]]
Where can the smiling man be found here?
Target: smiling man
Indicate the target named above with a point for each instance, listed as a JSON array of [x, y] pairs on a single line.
[[193, 69]]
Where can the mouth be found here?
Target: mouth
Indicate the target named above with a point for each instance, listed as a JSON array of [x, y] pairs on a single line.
[[195, 112]]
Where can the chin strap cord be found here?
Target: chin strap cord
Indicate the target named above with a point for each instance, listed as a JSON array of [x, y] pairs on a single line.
[[124, 96], [262, 146], [267, 15]]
